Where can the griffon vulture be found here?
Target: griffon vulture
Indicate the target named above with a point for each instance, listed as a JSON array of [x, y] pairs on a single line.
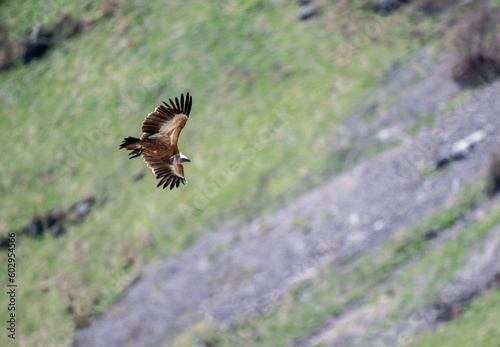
[[158, 143]]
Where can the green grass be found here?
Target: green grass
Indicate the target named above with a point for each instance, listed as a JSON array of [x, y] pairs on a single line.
[[216, 251], [268, 92], [425, 122], [428, 171], [474, 327]]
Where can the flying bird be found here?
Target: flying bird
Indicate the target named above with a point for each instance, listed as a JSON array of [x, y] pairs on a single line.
[[158, 143]]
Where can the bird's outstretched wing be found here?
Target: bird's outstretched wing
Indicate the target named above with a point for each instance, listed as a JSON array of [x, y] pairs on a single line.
[[168, 174], [167, 121]]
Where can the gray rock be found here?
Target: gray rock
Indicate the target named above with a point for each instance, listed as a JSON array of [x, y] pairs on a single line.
[[460, 149], [308, 11]]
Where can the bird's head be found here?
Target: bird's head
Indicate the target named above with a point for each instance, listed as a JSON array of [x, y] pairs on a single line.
[[184, 159]]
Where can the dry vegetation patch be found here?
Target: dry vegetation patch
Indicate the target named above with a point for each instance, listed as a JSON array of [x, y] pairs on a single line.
[[477, 46]]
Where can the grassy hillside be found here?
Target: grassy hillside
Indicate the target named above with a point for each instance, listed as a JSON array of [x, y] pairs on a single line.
[[269, 93], [474, 327]]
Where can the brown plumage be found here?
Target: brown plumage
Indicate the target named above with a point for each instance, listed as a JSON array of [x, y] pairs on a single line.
[[158, 143]]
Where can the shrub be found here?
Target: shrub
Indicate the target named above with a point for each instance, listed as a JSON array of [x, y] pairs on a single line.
[[8, 50], [493, 176], [477, 44], [435, 6], [385, 7]]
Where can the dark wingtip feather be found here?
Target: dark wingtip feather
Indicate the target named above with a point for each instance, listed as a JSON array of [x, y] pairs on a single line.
[[182, 106], [165, 181], [177, 104], [189, 102]]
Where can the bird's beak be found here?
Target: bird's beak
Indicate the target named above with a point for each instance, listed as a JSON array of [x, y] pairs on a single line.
[[186, 160]]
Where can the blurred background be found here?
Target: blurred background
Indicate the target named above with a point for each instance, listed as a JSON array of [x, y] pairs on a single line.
[[345, 162]]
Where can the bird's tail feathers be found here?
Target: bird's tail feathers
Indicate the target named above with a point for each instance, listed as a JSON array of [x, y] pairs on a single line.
[[128, 141]]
